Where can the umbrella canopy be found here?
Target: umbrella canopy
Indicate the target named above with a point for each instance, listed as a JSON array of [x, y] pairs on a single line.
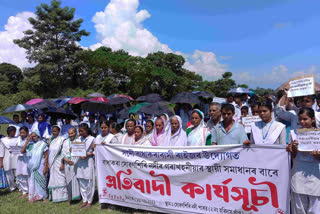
[[123, 113], [136, 108], [5, 120], [118, 100], [102, 99], [123, 95], [156, 109], [239, 90], [61, 113], [150, 98], [284, 85], [34, 101], [46, 104], [77, 100], [19, 107], [96, 94], [98, 106], [185, 97], [64, 97], [63, 102], [203, 94]]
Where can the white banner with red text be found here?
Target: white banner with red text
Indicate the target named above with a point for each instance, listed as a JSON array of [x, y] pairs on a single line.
[[213, 179]]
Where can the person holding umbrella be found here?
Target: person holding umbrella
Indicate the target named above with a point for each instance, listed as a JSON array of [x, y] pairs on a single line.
[[198, 134]]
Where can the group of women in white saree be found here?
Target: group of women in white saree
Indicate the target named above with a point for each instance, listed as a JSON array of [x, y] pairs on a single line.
[[46, 170]]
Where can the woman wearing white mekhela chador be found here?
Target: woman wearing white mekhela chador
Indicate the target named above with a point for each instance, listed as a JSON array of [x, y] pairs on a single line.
[[8, 161], [57, 182], [73, 187], [37, 152], [85, 167], [161, 134], [139, 138], [105, 137], [198, 134], [22, 174], [128, 136], [178, 135], [267, 131]]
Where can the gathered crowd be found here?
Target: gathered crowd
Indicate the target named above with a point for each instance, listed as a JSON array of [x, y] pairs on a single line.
[[46, 170]]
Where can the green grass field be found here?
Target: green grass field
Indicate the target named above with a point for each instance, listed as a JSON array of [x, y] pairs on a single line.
[[10, 203]]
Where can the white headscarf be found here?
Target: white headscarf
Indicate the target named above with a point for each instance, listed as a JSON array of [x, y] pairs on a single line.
[[198, 135], [179, 138], [163, 138]]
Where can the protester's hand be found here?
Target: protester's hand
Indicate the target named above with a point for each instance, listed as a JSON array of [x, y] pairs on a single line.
[[316, 154], [62, 167], [70, 162], [289, 148], [70, 149], [247, 142], [103, 142], [83, 158]]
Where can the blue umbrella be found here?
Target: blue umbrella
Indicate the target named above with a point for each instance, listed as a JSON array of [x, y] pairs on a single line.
[[19, 107], [239, 90], [5, 120]]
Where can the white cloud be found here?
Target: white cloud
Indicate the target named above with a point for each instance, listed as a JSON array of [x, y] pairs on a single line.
[[120, 26], [10, 52], [279, 75]]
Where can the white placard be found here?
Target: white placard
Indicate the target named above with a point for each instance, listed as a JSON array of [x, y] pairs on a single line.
[[302, 86], [209, 179], [248, 121], [78, 149], [15, 150], [308, 139], [219, 100]]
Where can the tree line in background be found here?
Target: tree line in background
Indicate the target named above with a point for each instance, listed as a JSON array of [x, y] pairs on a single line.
[[63, 67]]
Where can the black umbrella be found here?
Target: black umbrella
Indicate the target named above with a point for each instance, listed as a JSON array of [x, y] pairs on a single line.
[[156, 109], [150, 98], [96, 94], [118, 100], [123, 113], [61, 113], [46, 104], [98, 106], [203, 94], [185, 97]]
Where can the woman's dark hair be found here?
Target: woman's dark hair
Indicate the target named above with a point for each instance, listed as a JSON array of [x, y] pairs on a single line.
[[24, 128], [245, 108], [57, 127], [11, 129], [132, 120], [116, 126], [150, 121], [139, 128], [105, 122], [86, 127], [267, 104], [195, 111], [308, 111], [42, 115], [227, 107]]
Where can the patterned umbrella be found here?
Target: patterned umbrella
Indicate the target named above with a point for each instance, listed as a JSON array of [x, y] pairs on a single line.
[[34, 101], [239, 90], [123, 95], [19, 107]]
